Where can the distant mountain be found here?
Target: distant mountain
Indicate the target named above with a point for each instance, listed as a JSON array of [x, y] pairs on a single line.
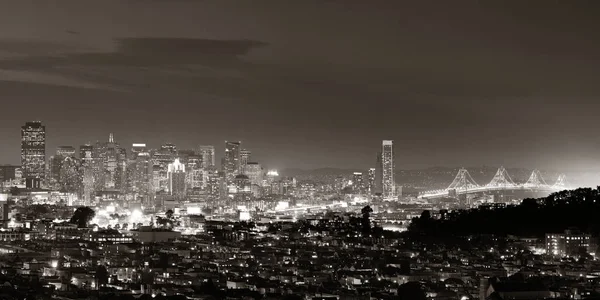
[[296, 172]]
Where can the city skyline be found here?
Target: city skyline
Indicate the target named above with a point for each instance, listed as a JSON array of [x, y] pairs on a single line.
[[459, 84]]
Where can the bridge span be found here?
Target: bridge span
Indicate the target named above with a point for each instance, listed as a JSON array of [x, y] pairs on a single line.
[[464, 184]]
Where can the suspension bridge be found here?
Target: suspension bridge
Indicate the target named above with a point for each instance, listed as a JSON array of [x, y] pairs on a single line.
[[465, 184]]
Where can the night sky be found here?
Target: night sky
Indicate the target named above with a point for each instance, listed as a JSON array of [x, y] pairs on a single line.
[[311, 83]]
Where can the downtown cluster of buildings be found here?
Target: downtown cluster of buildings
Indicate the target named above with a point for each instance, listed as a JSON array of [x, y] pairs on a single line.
[[108, 171]]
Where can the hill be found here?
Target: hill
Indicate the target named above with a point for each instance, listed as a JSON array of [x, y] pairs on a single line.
[[533, 217]]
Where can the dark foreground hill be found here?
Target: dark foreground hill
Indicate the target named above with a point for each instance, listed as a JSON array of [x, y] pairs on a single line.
[[563, 210]]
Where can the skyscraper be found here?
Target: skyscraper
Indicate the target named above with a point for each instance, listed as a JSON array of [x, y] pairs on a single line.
[[387, 162], [371, 181], [244, 159], [254, 171], [231, 160], [65, 151], [176, 175], [357, 182], [137, 149], [208, 156], [33, 150], [378, 174]]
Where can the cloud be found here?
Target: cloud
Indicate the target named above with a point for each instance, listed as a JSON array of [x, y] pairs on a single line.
[[133, 63]]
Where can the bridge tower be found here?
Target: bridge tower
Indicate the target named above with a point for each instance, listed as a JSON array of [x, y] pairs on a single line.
[[501, 180], [561, 183], [535, 181], [463, 182]]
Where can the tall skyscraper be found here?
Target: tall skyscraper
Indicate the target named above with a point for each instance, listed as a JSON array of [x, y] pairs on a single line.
[[112, 163], [244, 159], [357, 182], [231, 160], [379, 174], [33, 150], [208, 156], [176, 175], [371, 181], [387, 162]]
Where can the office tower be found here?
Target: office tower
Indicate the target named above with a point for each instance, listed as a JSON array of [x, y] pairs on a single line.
[[69, 177], [244, 159], [112, 162], [86, 153], [65, 151], [8, 172], [357, 182], [379, 174], [138, 148], [176, 175], [208, 156], [254, 171], [162, 158], [193, 169], [140, 172], [231, 161], [213, 184], [243, 191], [371, 181], [387, 163], [33, 150]]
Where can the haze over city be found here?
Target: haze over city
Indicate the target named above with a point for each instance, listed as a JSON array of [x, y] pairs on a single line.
[[310, 84]]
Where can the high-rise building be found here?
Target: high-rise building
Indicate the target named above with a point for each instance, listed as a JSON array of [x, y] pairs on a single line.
[[208, 156], [387, 162], [357, 182], [379, 174], [244, 159], [140, 172], [231, 160], [86, 153], [162, 158], [138, 148], [65, 151], [193, 168], [176, 175], [111, 162], [371, 181], [33, 150], [254, 171]]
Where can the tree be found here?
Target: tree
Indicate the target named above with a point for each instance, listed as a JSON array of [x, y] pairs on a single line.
[[411, 291], [14, 191], [101, 276], [366, 218], [82, 216]]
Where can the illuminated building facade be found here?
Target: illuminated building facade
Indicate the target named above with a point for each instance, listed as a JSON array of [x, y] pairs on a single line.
[[357, 182], [177, 176], [387, 162], [138, 148], [244, 159], [569, 243], [371, 181], [33, 150], [162, 158], [208, 156], [65, 151], [111, 160], [231, 160]]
